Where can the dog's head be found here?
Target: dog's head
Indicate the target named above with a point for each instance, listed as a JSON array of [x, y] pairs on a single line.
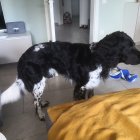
[[121, 47]]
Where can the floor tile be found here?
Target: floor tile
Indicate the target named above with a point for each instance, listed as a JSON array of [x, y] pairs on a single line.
[[58, 82], [23, 126], [42, 136], [109, 85], [60, 96]]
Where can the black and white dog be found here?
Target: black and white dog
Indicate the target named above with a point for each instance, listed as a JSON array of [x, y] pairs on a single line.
[[83, 63]]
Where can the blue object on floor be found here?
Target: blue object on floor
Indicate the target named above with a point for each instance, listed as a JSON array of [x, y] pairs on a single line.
[[117, 74], [124, 74], [132, 78], [127, 76]]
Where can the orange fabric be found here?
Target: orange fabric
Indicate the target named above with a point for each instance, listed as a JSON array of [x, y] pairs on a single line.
[[113, 116]]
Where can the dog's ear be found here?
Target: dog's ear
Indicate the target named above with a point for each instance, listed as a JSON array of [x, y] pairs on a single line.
[[121, 46], [129, 53], [115, 40]]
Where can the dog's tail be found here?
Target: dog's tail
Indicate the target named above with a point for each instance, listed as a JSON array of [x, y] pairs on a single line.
[[13, 93]]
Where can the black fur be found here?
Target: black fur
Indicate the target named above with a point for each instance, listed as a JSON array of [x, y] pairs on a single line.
[[71, 60], [76, 60]]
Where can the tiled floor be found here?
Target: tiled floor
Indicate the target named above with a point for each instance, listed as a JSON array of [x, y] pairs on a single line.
[[20, 120]]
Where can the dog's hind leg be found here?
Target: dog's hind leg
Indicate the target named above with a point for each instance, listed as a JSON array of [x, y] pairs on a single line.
[[38, 92]]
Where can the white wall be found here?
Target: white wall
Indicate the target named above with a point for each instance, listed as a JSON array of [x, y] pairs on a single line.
[[130, 18], [137, 29], [109, 17], [32, 12]]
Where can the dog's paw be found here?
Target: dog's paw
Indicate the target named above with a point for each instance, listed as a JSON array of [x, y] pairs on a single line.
[[41, 115], [89, 94], [42, 118], [44, 103], [83, 93], [80, 94]]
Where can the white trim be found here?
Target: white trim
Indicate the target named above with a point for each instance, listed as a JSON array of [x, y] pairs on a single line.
[[52, 20], [47, 17], [94, 20]]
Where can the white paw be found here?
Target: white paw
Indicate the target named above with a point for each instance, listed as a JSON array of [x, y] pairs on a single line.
[[41, 115]]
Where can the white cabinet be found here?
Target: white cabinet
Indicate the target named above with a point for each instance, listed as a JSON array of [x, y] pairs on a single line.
[[13, 46]]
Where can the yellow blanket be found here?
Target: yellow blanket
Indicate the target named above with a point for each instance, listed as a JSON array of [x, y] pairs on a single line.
[[113, 116]]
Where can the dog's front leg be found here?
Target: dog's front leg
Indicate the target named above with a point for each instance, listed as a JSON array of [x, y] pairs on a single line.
[[78, 93], [82, 93], [88, 93], [94, 80]]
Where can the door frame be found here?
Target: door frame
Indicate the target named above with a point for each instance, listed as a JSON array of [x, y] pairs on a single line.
[[94, 20], [49, 16]]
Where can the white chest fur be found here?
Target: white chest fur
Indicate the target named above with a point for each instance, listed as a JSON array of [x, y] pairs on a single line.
[[94, 79]]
